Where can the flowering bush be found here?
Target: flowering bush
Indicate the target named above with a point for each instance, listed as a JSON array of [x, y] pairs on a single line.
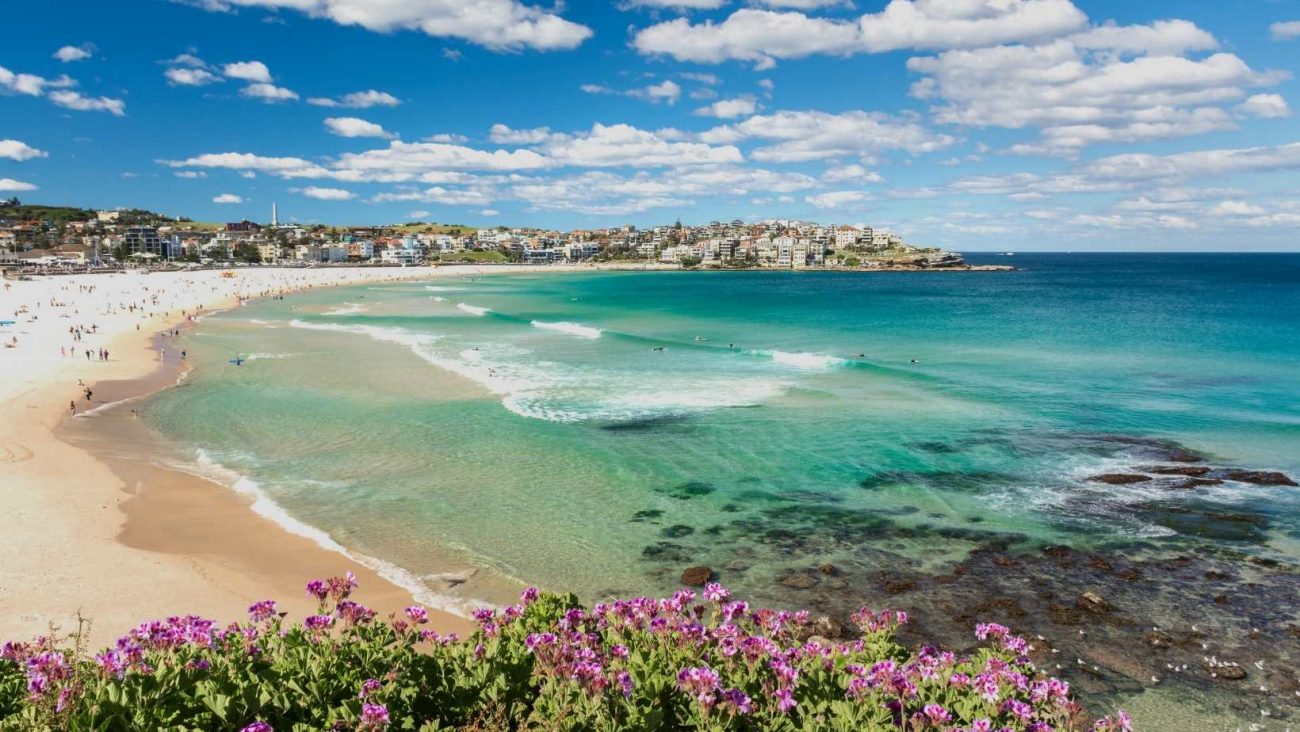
[[545, 663]]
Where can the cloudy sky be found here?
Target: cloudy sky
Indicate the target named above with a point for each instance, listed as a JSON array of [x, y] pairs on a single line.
[[971, 124]]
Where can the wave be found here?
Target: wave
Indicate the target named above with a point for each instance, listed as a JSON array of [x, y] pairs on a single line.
[[348, 308], [551, 393], [268, 356], [573, 329], [472, 309], [436, 288], [440, 299], [807, 361], [266, 507]]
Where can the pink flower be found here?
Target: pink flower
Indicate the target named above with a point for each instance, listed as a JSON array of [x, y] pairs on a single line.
[[417, 614], [368, 687], [785, 700], [529, 596], [373, 717], [714, 592], [257, 727], [259, 611], [936, 714]]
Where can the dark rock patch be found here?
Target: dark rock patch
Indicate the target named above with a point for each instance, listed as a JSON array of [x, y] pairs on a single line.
[[687, 491], [697, 576], [676, 531], [1120, 478], [648, 515], [1259, 477]]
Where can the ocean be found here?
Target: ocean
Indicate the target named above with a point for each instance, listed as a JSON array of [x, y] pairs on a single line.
[[817, 438]]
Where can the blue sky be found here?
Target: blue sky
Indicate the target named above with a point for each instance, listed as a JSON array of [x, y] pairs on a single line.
[[970, 124]]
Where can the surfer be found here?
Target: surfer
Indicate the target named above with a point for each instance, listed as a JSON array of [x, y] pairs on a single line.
[[657, 348]]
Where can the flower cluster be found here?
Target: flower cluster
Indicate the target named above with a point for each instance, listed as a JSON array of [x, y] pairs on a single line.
[[680, 662]]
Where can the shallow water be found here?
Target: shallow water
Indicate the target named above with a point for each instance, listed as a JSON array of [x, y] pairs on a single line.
[[599, 432]]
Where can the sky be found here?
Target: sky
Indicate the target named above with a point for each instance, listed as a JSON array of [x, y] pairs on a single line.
[[967, 124]]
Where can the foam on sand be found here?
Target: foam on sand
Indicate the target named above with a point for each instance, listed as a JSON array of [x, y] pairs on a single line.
[[574, 329], [266, 507]]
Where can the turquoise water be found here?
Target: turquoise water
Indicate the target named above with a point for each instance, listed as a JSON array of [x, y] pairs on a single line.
[[527, 426]]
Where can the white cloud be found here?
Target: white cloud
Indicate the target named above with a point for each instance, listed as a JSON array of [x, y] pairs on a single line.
[[1269, 106], [489, 212], [495, 24], [358, 100], [504, 135], [269, 93], [441, 195], [943, 24], [763, 36], [749, 34], [621, 144], [1236, 208], [1079, 96], [411, 159], [9, 184], [667, 90], [447, 137], [57, 91], [417, 214], [190, 76], [1285, 30], [802, 4], [1161, 38], [837, 199], [68, 54], [187, 59], [75, 100], [729, 108], [254, 71], [326, 194], [678, 4], [843, 173], [228, 198], [355, 127], [814, 135], [1138, 167], [192, 174], [20, 151]]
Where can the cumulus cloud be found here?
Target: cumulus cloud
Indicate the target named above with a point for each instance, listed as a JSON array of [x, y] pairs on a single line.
[[1285, 30], [68, 54], [228, 198], [9, 184], [843, 173], [190, 76], [439, 194], [255, 71], [837, 199], [764, 36], [1089, 89], [504, 135], [1270, 106], [355, 127], [729, 108], [191, 174], [495, 24], [358, 100], [622, 144], [269, 93], [814, 135], [665, 91], [20, 151], [326, 194], [75, 100], [678, 4], [57, 91]]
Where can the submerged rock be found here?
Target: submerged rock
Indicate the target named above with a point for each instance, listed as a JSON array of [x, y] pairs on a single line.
[[1189, 470], [1094, 603], [1120, 478], [1259, 477], [799, 582], [1193, 483], [697, 576]]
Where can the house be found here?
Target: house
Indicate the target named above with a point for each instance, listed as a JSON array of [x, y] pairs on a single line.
[[846, 237]]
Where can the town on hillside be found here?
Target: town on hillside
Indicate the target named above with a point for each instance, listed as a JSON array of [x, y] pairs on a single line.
[[52, 237]]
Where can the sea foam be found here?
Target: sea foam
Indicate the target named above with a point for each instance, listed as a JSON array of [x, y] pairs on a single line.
[[573, 329], [472, 309]]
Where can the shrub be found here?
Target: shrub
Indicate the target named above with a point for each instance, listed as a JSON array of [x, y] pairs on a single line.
[[545, 663]]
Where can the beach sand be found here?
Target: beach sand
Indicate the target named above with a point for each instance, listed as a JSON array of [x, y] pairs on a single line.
[[92, 527]]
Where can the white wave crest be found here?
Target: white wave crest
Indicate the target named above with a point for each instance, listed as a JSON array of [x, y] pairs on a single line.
[[573, 329], [809, 361], [348, 308], [436, 288], [472, 309]]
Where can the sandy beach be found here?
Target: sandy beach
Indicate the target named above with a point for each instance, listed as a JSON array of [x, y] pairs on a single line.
[[117, 540]]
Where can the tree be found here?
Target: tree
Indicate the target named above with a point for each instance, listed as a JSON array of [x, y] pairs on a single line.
[[852, 262], [689, 262], [246, 252]]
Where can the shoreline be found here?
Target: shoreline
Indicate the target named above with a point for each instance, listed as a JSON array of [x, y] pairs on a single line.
[[96, 532]]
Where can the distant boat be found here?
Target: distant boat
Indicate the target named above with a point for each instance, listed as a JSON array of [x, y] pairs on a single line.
[[1008, 254]]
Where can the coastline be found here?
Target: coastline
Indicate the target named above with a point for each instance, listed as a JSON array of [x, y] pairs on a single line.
[[97, 531]]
